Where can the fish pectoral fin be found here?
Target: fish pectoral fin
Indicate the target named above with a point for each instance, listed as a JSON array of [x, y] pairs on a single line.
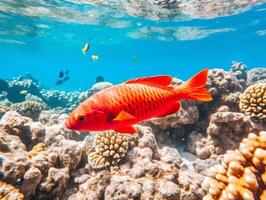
[[126, 129], [152, 80], [173, 109], [123, 115]]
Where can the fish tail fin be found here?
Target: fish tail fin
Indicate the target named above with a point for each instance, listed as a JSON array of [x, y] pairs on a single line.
[[194, 88]]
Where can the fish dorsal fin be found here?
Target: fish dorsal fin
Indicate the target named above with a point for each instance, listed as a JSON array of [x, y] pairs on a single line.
[[123, 115], [152, 80]]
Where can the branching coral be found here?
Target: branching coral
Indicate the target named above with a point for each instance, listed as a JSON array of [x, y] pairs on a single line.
[[8, 192], [242, 174], [253, 101], [110, 148]]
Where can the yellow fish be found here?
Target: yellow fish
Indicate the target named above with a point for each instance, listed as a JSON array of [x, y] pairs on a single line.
[[85, 48], [23, 92], [95, 58]]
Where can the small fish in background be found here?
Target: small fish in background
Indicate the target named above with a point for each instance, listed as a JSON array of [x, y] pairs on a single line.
[[95, 57], [63, 76], [99, 79], [23, 92], [85, 48], [59, 82], [134, 58], [66, 78]]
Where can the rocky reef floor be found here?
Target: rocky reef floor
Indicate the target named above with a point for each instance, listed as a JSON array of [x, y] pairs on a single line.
[[214, 150]]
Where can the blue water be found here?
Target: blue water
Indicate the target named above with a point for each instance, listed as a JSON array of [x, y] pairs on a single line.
[[43, 44]]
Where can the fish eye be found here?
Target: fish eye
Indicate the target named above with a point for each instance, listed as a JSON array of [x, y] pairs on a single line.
[[81, 118]]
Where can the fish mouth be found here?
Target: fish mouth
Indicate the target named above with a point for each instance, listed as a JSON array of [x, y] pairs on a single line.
[[68, 125]]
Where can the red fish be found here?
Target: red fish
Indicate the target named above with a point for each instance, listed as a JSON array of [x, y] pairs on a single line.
[[121, 106]]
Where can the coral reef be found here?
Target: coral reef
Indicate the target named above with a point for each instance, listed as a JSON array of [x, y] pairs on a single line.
[[65, 100], [22, 84], [253, 101], [30, 109], [242, 172], [225, 131], [168, 159]]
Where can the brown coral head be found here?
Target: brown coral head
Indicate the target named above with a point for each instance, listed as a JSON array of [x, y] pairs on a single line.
[[242, 174], [110, 148], [8, 191], [253, 101]]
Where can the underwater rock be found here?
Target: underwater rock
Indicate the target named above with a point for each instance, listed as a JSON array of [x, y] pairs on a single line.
[[101, 86], [147, 139], [57, 132], [37, 132], [31, 180], [123, 187], [242, 172], [95, 88], [15, 166], [221, 82], [54, 183], [68, 152], [191, 175], [10, 143], [226, 130], [256, 75], [15, 124], [29, 132], [253, 101]]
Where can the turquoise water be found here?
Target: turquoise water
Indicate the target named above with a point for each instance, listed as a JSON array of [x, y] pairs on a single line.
[[44, 37]]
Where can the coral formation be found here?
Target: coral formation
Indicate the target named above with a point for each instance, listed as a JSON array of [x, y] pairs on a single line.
[[253, 101], [9, 192], [239, 70], [30, 109], [62, 99], [221, 82], [256, 75], [19, 84], [110, 148], [242, 173], [225, 131]]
